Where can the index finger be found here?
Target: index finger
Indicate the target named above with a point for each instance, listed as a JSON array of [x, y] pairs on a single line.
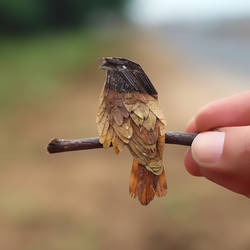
[[230, 111]]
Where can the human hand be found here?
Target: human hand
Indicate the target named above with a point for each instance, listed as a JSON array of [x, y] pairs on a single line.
[[222, 154]]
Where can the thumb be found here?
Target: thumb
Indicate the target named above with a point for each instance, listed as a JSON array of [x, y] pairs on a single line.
[[223, 156]]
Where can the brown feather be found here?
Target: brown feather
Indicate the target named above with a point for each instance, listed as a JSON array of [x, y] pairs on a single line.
[[141, 158], [148, 151], [124, 131], [149, 123], [129, 99], [104, 131], [108, 138], [149, 137], [117, 115], [133, 179], [154, 107], [124, 111], [115, 147], [161, 188], [144, 184], [101, 97], [142, 98], [137, 120], [160, 145], [141, 110], [119, 144], [129, 107], [155, 165]]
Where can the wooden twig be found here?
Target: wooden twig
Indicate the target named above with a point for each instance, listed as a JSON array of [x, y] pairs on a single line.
[[62, 145]]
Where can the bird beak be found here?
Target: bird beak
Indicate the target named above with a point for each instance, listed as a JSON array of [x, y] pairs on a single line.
[[106, 63]]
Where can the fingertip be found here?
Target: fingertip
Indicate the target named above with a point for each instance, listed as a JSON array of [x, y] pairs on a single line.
[[190, 165], [204, 119], [191, 128], [199, 122]]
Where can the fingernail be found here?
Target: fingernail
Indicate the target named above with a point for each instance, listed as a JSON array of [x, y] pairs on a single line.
[[207, 147]]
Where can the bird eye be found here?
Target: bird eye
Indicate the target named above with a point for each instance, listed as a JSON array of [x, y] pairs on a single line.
[[124, 67]]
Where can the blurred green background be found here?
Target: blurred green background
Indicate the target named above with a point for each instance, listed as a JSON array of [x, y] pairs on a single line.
[[49, 87]]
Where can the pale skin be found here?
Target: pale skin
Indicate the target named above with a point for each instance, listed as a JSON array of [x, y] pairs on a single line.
[[222, 155]]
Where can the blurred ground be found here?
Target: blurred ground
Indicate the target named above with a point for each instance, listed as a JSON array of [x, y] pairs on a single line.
[[80, 200]]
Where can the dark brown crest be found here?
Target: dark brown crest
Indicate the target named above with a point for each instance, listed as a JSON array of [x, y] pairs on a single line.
[[125, 76]]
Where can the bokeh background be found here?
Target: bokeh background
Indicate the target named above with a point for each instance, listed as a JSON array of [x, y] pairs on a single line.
[[193, 51]]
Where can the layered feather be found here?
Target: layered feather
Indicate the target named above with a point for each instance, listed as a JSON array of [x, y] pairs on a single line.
[[127, 118], [145, 185]]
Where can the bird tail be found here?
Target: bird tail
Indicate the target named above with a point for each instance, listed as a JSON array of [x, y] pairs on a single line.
[[144, 184]]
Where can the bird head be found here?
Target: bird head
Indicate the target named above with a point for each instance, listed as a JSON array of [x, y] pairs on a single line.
[[118, 63]]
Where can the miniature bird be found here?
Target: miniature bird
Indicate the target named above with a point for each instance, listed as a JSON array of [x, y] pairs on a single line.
[[129, 115]]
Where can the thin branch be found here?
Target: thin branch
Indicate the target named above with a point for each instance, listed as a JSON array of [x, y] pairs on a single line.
[[62, 145]]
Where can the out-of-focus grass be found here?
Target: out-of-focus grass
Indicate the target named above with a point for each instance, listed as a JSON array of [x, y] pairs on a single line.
[[31, 67]]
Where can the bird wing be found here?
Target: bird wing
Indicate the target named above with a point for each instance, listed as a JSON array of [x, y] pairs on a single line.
[[104, 129], [136, 120], [149, 126], [139, 80]]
